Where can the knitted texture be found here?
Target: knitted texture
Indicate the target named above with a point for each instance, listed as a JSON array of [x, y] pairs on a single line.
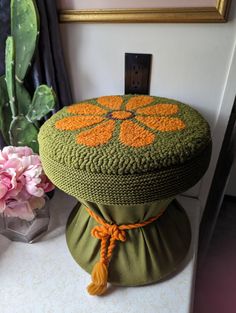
[[126, 189], [118, 140]]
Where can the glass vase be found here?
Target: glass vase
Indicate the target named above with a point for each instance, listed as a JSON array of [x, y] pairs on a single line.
[[17, 229]]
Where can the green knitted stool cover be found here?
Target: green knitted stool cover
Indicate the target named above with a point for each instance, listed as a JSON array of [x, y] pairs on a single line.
[[126, 158]]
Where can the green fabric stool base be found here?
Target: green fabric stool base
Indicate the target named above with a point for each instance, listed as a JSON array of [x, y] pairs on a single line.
[[150, 253]]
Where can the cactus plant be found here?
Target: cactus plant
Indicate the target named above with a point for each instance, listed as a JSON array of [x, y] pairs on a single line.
[[5, 110], [25, 30], [23, 133], [18, 112], [42, 103], [10, 75]]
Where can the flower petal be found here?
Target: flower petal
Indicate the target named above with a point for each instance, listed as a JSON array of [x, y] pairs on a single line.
[[138, 101], [77, 122], [162, 123], [3, 190], [11, 152], [86, 108], [133, 135], [98, 135], [162, 109], [21, 209], [111, 102]]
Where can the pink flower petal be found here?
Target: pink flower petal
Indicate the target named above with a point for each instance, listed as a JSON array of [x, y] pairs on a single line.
[[19, 209], [16, 152], [9, 186], [3, 190], [33, 190], [30, 161], [15, 164]]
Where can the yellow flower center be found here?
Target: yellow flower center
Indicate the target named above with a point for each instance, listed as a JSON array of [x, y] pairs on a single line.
[[120, 115]]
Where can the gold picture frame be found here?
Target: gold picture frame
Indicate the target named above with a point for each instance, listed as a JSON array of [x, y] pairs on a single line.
[[216, 14]]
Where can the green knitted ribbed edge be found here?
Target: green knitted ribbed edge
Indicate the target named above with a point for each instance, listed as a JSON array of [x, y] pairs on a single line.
[[126, 189]]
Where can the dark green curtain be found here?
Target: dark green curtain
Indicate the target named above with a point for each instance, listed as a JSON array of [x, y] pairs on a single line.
[[48, 66], [4, 31]]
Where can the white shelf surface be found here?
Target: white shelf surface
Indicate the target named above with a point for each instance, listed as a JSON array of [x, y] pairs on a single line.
[[43, 277]]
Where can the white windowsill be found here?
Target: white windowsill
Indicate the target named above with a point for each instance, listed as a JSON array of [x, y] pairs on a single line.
[[44, 278]]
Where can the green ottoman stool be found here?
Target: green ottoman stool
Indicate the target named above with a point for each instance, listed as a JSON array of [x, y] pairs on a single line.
[[125, 158]]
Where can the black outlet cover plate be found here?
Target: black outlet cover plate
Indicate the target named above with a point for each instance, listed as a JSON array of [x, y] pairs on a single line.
[[137, 73]]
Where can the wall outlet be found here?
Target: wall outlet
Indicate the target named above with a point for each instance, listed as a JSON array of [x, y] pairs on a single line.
[[137, 73]]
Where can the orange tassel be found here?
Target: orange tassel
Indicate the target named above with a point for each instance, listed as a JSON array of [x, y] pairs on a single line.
[[99, 280], [108, 234]]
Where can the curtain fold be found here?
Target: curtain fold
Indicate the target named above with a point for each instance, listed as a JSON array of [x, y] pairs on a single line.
[[48, 67], [4, 31]]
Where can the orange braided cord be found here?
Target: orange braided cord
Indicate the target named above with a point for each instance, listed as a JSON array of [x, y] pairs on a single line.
[[142, 224], [108, 233]]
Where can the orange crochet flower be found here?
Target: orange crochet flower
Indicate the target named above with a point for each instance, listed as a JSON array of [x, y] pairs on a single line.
[[138, 120]]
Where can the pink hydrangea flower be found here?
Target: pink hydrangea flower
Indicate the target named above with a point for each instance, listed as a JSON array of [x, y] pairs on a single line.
[[23, 182], [9, 186], [11, 152]]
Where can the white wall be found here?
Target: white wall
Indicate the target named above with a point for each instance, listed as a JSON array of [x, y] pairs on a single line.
[[190, 61]]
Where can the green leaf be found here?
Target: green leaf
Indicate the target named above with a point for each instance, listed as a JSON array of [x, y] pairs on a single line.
[[25, 30], [10, 74], [5, 111], [43, 102], [24, 133]]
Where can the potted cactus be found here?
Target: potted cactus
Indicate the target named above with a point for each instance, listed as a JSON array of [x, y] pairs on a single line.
[[19, 113], [19, 123]]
